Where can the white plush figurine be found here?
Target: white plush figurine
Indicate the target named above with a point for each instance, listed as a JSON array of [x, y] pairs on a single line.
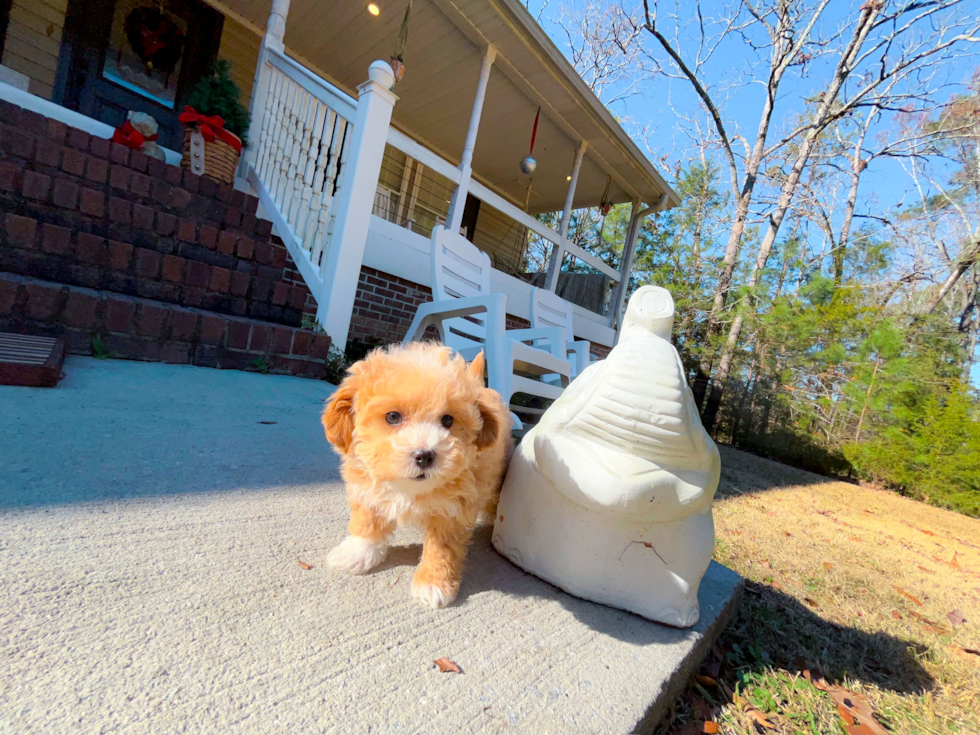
[[148, 128], [609, 496]]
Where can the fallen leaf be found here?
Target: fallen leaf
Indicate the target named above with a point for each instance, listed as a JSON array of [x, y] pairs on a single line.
[[445, 665], [772, 513], [930, 571], [776, 585], [922, 618], [855, 538], [765, 564], [759, 718], [710, 727], [955, 618], [851, 706], [501, 519], [828, 566], [896, 614], [810, 601], [935, 629], [927, 533], [304, 565], [965, 652], [788, 534], [902, 592], [706, 680]]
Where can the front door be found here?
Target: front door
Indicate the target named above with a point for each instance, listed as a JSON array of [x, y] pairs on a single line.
[[141, 55]]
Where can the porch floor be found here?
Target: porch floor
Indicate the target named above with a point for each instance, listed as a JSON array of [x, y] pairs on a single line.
[[151, 523]]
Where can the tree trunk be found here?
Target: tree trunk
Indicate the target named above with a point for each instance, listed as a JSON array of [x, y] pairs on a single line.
[[963, 264]]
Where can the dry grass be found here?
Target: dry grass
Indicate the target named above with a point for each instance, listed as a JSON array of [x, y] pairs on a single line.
[[852, 582]]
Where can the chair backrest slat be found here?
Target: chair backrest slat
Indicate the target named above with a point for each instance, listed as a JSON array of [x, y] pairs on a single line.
[[459, 269], [551, 310]]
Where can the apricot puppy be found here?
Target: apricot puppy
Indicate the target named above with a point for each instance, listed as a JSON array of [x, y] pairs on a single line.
[[423, 443]]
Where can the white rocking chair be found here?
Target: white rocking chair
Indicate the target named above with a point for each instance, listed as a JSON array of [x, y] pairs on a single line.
[[470, 319], [549, 310]]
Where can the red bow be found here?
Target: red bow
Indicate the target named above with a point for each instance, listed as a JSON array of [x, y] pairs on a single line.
[[130, 137], [211, 127]]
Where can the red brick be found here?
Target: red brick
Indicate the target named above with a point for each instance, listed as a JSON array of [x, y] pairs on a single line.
[[119, 255], [90, 248], [140, 184], [226, 242], [99, 146], [21, 143], [193, 296], [263, 253], [78, 139], [261, 288], [96, 170], [119, 314], [207, 187], [239, 283], [35, 185], [261, 338], [119, 154], [226, 192], [173, 175], [180, 198], [119, 176], [297, 296], [56, 240], [73, 162], [161, 191], [156, 168], [251, 204], [190, 181], [187, 230], [152, 320], [9, 177], [233, 217], [143, 217], [21, 231], [147, 262], [48, 153], [65, 194], [166, 224], [246, 248], [183, 325], [43, 300], [119, 210], [282, 340], [248, 222], [212, 329], [208, 236], [173, 268], [93, 203], [220, 279], [321, 346], [280, 294], [197, 274], [278, 257], [301, 342], [57, 130], [8, 296], [139, 161], [176, 353], [237, 334], [80, 309]]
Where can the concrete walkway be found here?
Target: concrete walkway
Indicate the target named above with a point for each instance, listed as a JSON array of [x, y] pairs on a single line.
[[151, 525]]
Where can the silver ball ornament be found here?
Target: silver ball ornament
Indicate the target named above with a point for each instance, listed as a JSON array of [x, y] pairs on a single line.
[[528, 165]]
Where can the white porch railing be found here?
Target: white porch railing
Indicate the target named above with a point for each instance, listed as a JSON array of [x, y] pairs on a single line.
[[304, 132]]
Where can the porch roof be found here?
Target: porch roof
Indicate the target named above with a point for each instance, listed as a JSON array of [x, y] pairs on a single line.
[[447, 39]]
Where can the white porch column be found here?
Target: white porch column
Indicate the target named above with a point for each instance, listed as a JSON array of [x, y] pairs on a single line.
[[275, 31], [342, 265], [458, 204], [554, 266], [629, 253]]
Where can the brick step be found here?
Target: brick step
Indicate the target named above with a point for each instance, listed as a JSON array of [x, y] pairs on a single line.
[[93, 322]]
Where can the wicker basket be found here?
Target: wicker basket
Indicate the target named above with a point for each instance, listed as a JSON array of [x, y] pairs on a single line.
[[220, 159]]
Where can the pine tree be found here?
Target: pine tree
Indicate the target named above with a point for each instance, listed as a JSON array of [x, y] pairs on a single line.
[[217, 94]]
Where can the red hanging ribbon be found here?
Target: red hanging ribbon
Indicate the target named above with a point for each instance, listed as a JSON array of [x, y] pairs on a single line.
[[534, 132], [211, 127], [130, 137]]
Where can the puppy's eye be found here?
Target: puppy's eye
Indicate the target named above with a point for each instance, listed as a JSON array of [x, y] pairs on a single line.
[[447, 421], [393, 417]]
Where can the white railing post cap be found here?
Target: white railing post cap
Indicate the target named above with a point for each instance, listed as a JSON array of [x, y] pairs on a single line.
[[381, 73]]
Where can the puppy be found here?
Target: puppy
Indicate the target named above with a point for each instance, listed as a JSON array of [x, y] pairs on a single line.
[[423, 443]]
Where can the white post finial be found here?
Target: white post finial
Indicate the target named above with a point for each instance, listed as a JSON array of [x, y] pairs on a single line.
[[345, 252], [455, 217], [275, 30]]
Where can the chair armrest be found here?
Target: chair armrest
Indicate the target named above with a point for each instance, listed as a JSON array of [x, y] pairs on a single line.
[[578, 351], [434, 312], [554, 336]]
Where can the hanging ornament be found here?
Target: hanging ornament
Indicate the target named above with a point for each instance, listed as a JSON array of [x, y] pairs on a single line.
[[398, 59], [605, 205], [528, 164]]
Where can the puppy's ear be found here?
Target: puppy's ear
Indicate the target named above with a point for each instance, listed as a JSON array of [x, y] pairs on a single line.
[[338, 415], [475, 369], [489, 405]]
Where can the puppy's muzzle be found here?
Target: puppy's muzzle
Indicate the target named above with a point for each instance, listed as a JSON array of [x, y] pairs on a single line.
[[424, 458]]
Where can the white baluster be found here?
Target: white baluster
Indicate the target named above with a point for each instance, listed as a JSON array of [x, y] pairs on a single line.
[[270, 126], [313, 163], [287, 119], [325, 194], [302, 161]]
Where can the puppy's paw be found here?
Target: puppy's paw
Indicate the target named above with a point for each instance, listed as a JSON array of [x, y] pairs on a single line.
[[434, 594], [357, 555]]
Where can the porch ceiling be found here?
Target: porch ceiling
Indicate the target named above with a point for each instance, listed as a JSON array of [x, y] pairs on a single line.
[[447, 38]]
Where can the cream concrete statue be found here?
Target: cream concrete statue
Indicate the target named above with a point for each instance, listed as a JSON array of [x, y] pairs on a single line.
[[609, 496]]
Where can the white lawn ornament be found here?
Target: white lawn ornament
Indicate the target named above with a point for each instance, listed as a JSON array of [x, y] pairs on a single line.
[[609, 495], [148, 127]]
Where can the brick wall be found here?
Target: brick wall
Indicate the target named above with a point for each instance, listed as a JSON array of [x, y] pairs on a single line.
[[83, 211], [385, 305]]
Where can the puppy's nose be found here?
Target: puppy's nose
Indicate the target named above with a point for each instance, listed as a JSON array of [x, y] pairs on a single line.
[[424, 458]]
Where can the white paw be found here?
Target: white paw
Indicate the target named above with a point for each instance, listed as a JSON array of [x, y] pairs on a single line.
[[357, 555], [432, 595]]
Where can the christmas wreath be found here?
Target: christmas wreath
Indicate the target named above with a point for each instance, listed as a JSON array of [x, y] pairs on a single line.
[[155, 38]]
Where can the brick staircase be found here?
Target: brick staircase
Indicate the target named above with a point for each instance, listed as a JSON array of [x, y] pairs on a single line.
[[116, 252]]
